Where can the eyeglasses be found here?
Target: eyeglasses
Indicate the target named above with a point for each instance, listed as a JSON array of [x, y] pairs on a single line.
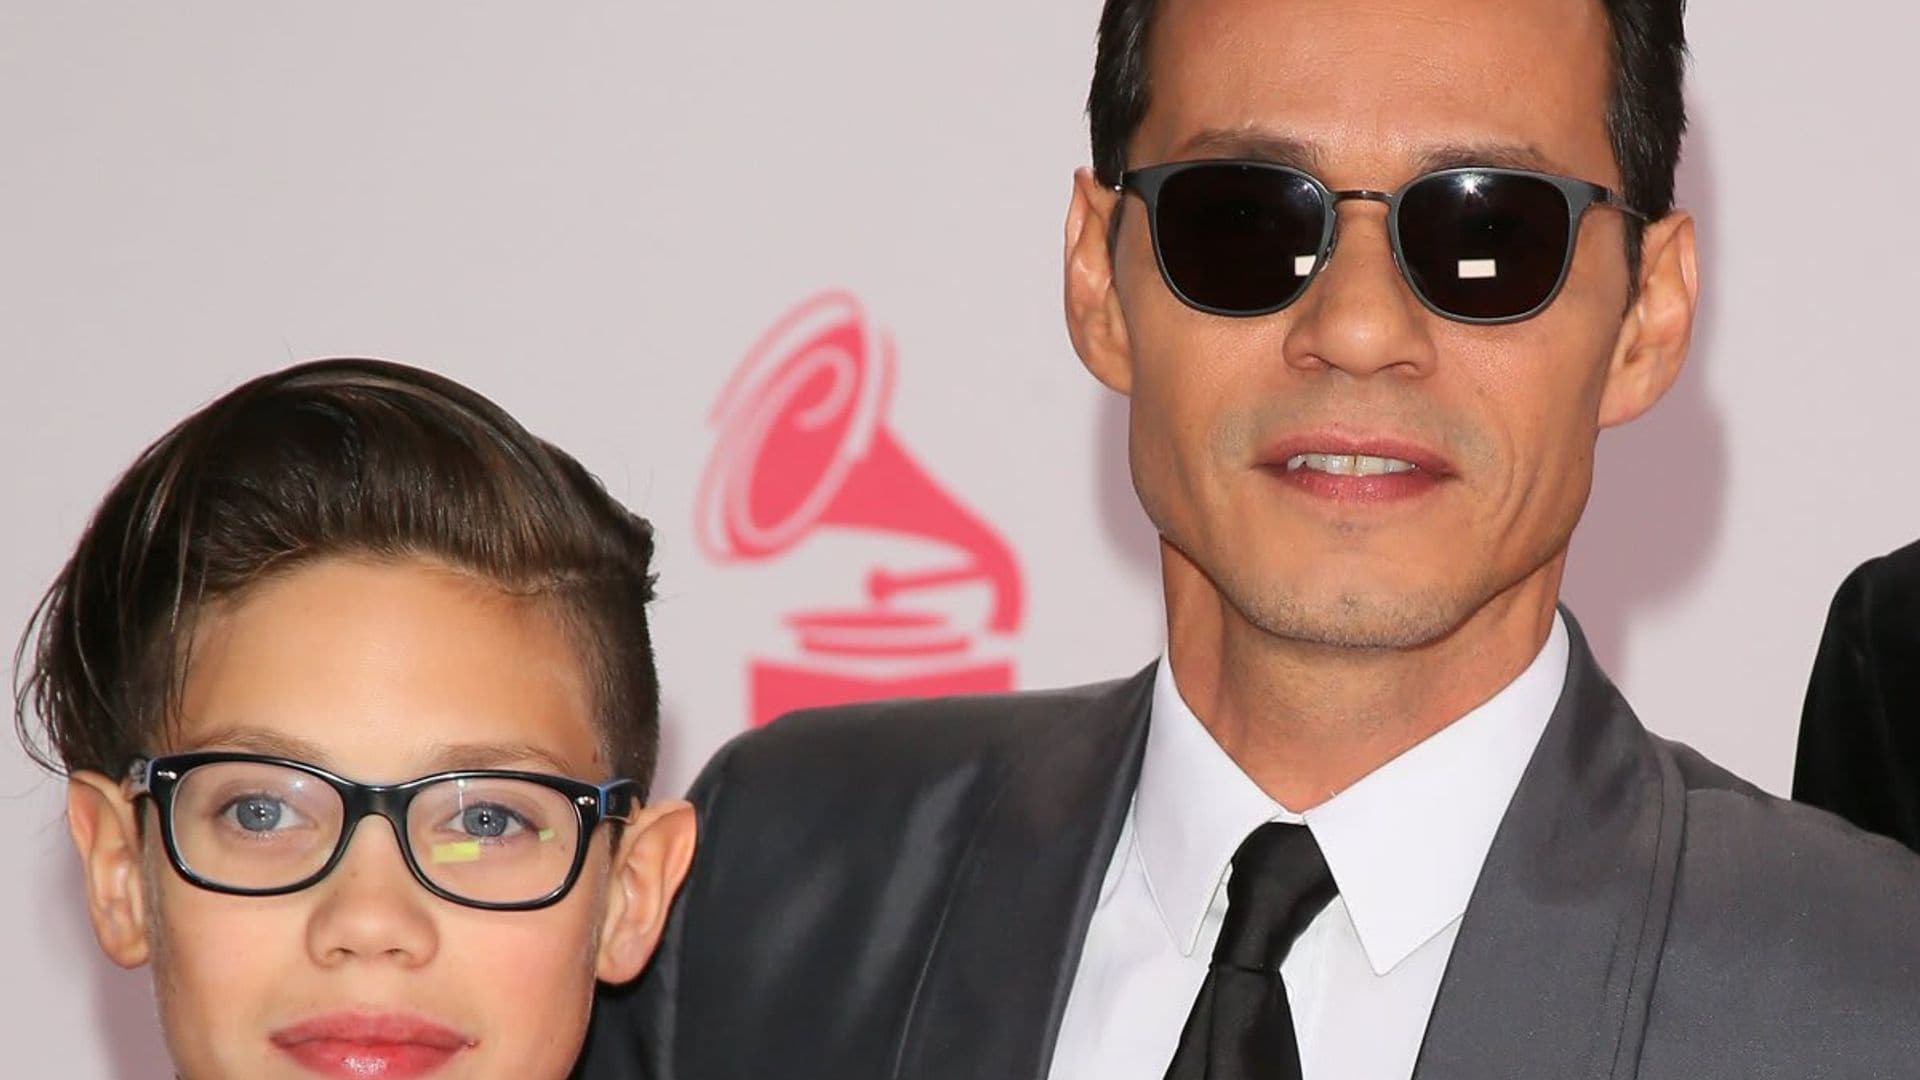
[[1477, 245], [251, 825]]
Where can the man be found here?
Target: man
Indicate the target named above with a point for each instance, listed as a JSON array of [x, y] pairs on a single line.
[[1860, 731], [1377, 813]]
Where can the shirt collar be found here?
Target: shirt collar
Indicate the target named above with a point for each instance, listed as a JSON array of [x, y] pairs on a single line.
[[1405, 843]]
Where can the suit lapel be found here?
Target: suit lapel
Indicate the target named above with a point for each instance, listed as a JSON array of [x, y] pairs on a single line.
[[1003, 963], [1554, 964]]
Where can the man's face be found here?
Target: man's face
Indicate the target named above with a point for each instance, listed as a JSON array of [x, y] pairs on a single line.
[[1501, 419]]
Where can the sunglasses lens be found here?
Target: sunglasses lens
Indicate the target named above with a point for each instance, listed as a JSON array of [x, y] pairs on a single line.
[[1484, 245], [1238, 239]]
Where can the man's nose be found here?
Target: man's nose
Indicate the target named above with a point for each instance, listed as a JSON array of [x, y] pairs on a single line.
[[1359, 315], [370, 907]]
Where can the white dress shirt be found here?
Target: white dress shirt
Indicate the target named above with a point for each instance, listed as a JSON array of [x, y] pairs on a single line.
[[1405, 845]]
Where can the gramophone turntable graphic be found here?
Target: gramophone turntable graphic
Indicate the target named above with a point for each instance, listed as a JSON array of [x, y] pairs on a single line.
[[802, 446]]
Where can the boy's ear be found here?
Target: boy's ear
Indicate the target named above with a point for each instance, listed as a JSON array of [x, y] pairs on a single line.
[[106, 832], [655, 850]]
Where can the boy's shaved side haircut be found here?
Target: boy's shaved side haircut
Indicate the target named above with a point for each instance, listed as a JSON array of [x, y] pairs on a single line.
[[357, 458]]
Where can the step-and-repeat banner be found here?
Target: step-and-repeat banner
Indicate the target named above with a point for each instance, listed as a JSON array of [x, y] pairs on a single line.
[[787, 277]]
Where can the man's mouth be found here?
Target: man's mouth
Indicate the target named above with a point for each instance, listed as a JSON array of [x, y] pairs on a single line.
[[1349, 464], [1354, 470]]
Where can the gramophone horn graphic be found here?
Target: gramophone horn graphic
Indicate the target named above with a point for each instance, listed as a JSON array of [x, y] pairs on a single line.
[[803, 445]]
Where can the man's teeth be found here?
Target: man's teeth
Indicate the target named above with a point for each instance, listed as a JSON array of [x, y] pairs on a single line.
[[1348, 464]]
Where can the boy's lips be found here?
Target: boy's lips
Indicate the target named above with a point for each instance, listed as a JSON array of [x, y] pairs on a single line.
[[386, 1046]]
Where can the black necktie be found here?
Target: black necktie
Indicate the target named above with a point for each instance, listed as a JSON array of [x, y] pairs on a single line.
[[1240, 1027]]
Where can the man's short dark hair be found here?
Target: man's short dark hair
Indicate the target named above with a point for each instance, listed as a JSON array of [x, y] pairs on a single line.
[[1646, 112], [357, 458]]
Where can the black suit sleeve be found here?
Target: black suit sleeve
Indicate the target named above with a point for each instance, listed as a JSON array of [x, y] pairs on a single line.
[[1859, 752], [634, 1026]]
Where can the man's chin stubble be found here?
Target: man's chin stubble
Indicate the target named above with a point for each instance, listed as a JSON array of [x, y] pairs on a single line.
[[1363, 621]]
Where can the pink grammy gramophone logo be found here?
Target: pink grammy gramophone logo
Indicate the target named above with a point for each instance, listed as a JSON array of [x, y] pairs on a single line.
[[803, 445]]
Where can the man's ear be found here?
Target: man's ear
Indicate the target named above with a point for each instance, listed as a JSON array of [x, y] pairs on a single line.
[[1094, 321], [1658, 329], [655, 850], [106, 832]]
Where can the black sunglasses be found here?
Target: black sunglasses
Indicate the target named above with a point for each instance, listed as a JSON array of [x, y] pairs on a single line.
[[253, 825], [1477, 245]]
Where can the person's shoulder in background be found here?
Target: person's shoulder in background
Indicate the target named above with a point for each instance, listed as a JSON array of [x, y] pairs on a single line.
[[1859, 753]]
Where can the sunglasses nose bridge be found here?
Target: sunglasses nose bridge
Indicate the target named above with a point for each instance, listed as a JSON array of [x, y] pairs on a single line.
[[1364, 318], [1335, 197]]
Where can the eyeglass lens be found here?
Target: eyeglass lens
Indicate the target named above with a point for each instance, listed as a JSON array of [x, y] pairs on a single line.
[[1245, 239], [1239, 238], [1484, 245], [258, 826]]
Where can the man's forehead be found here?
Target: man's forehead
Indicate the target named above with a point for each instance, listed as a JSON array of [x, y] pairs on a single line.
[[1418, 83]]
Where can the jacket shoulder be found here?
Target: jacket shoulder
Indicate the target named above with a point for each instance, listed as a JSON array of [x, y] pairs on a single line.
[[1724, 810], [1790, 940], [912, 735], [885, 754]]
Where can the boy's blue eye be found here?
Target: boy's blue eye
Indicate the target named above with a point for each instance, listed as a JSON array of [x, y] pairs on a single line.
[[256, 813], [487, 820]]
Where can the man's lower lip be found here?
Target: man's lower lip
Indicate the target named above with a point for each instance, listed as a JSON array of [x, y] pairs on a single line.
[[1381, 488], [368, 1061]]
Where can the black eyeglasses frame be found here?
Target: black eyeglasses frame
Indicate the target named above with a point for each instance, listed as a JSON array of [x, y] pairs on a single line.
[[158, 777], [1580, 195]]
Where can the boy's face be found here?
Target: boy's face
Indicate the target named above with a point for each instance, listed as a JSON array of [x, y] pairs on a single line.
[[380, 672]]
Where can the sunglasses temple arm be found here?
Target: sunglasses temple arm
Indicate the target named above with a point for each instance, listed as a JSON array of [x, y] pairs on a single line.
[[1607, 197]]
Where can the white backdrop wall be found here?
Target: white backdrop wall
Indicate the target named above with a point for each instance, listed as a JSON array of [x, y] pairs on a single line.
[[591, 211]]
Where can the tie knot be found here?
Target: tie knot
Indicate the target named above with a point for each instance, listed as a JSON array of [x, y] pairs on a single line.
[[1280, 882]]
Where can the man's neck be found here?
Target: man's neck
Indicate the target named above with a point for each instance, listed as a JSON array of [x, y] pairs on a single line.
[[1306, 720]]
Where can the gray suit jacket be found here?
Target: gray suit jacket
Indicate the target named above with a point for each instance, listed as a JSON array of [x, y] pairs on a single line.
[[901, 891]]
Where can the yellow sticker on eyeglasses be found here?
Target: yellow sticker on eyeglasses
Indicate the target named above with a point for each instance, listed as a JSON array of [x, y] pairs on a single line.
[[469, 850], [457, 851]]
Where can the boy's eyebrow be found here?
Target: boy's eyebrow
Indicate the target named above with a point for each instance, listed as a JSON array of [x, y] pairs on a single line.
[[450, 756], [261, 741], [445, 757]]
